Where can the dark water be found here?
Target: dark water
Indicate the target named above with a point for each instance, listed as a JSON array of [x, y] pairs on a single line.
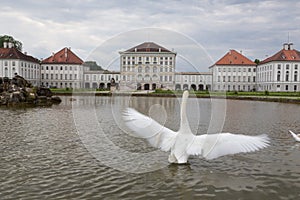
[[57, 153]]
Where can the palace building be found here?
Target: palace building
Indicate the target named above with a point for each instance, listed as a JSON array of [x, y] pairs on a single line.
[[234, 72], [147, 66], [14, 61], [62, 70], [280, 72]]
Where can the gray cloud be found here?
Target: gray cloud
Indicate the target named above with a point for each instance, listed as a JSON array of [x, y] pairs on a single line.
[[258, 28]]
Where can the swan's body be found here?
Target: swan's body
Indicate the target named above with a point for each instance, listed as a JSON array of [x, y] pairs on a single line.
[[295, 136], [184, 143]]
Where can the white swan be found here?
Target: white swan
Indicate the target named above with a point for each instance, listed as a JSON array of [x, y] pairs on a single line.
[[184, 143], [295, 136]]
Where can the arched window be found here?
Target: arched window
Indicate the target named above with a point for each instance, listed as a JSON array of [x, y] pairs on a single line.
[[147, 77], [154, 69], [147, 69], [140, 69], [139, 77]]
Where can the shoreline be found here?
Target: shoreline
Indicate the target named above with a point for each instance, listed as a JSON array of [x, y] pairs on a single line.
[[280, 99]]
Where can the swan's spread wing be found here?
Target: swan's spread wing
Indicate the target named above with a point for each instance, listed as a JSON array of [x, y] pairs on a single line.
[[145, 127], [295, 136], [213, 146]]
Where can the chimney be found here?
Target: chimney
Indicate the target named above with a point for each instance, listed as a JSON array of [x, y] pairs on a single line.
[[66, 52], [4, 44], [285, 46], [10, 45], [290, 46], [135, 49], [159, 50]]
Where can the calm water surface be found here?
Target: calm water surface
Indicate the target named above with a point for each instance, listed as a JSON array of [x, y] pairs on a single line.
[[44, 155]]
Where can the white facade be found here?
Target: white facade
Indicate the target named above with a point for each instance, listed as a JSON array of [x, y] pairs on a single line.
[[62, 75], [147, 67], [234, 78], [63, 69], [100, 79], [280, 72], [193, 81], [13, 61]]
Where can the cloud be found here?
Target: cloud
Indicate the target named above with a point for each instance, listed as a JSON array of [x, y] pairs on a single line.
[[255, 27]]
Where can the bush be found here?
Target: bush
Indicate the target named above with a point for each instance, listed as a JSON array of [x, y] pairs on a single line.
[[266, 92]]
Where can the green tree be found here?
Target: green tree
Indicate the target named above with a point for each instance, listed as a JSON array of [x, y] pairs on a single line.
[[7, 38], [257, 61]]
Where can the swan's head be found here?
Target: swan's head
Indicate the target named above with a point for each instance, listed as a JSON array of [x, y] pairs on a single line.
[[185, 94]]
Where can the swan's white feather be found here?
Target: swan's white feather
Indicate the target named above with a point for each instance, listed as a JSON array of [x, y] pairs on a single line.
[[212, 146], [184, 143], [144, 127], [295, 136]]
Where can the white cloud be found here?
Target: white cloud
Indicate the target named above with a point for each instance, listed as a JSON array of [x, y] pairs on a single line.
[[256, 27]]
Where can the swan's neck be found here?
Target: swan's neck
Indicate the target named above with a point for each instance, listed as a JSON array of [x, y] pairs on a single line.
[[184, 124]]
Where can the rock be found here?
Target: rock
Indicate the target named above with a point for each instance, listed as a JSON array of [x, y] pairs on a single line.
[[18, 91]]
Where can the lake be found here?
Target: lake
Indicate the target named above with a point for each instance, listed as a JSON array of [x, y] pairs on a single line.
[[81, 149]]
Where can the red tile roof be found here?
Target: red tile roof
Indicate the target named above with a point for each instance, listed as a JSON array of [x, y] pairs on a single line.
[[13, 53], [234, 58], [148, 47], [283, 55], [64, 56]]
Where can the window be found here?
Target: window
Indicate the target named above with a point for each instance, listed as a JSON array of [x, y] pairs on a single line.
[[296, 67], [286, 87], [278, 66], [140, 69], [295, 87], [287, 67], [147, 69], [287, 77], [249, 70], [295, 76], [66, 76]]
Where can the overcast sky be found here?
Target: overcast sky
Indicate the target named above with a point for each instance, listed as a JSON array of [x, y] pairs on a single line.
[[257, 28]]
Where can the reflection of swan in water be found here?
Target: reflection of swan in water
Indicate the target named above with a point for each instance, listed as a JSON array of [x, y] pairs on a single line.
[[184, 143], [295, 136]]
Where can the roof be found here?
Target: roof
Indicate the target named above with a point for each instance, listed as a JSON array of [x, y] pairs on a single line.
[[64, 56], [234, 58], [13, 53], [148, 47], [283, 55]]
